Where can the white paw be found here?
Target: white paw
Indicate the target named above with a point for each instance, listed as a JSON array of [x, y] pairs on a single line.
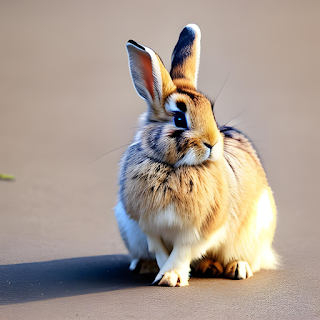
[[173, 278], [238, 270], [244, 270]]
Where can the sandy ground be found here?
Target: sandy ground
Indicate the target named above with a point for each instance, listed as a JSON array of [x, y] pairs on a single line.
[[67, 98]]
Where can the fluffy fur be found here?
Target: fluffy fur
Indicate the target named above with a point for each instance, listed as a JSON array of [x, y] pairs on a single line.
[[195, 194]]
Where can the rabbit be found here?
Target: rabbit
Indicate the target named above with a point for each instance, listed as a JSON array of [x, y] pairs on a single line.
[[192, 193]]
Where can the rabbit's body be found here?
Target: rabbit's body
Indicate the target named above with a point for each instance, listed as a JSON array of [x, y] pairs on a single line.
[[189, 189]]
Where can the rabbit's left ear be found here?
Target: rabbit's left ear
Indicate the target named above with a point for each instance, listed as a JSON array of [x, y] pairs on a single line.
[[149, 76], [186, 55]]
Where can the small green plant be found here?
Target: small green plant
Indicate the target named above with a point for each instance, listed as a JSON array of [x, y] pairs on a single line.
[[8, 177]]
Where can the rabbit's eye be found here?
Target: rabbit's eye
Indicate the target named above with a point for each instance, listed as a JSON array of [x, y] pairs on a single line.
[[180, 120]]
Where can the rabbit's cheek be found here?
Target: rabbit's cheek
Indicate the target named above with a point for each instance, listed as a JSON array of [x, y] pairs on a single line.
[[171, 155]]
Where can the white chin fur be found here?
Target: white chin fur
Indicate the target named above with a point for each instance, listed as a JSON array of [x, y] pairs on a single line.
[[190, 159]]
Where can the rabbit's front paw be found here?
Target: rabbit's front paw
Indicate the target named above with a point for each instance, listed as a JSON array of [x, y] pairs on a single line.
[[238, 270], [174, 278]]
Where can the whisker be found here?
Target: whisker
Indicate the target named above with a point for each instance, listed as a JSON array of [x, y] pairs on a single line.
[[215, 100], [238, 123], [236, 116], [218, 97], [105, 155]]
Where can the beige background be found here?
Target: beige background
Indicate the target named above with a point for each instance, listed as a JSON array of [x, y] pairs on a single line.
[[67, 98]]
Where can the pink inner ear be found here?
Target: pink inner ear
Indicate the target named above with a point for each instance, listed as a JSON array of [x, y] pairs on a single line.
[[147, 72]]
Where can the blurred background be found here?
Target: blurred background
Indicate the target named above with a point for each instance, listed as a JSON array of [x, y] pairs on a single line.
[[67, 98]]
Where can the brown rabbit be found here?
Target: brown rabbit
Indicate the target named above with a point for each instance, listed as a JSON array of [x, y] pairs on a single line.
[[191, 192]]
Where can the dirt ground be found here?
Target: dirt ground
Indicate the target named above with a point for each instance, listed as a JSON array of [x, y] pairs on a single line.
[[67, 98]]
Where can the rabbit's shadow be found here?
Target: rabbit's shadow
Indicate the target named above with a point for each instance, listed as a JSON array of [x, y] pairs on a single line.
[[68, 277]]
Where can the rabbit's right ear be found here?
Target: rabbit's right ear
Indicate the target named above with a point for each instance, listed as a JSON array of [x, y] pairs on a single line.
[[149, 76]]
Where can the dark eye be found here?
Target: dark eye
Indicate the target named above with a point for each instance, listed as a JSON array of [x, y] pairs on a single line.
[[180, 120]]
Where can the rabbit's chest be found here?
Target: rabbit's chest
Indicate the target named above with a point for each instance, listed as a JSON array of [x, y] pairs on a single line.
[[165, 198], [170, 225], [158, 190], [163, 219]]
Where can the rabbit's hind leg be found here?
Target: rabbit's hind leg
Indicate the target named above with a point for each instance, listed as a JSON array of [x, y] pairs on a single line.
[[238, 270], [144, 266], [208, 268]]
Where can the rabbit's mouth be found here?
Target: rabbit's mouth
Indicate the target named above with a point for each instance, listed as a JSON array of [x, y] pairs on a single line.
[[195, 157], [192, 157]]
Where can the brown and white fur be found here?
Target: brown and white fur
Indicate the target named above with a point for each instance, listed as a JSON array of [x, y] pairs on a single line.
[[191, 192]]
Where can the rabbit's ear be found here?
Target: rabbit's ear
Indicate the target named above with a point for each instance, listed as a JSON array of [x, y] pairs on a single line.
[[149, 76], [186, 55]]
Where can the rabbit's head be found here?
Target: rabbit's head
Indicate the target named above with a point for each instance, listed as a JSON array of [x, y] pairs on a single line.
[[179, 127]]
